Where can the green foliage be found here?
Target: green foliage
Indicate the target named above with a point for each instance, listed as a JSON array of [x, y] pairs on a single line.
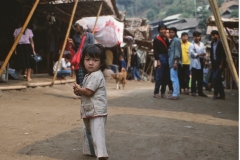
[[188, 8], [234, 14], [125, 3], [160, 9], [173, 10], [155, 8], [203, 15], [130, 11], [220, 2], [168, 1], [151, 14], [187, 15]]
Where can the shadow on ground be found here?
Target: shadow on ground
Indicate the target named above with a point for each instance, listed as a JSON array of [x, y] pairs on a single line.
[[143, 99], [133, 137], [59, 95]]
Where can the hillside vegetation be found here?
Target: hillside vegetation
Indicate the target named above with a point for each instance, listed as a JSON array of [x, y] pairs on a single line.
[[155, 10]]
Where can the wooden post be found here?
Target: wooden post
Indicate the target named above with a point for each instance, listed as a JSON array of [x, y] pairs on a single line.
[[150, 64], [219, 24], [129, 53], [235, 45], [99, 11], [145, 61], [18, 37], [65, 40], [150, 78]]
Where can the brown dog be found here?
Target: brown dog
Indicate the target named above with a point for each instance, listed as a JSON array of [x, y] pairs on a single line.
[[120, 78]]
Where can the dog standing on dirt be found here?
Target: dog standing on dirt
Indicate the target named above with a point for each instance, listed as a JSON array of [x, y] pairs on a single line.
[[120, 78]]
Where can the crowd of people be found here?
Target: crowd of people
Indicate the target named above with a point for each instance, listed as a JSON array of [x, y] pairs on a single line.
[[179, 61], [180, 66]]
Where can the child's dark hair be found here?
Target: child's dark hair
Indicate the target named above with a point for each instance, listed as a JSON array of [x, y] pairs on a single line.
[[121, 56], [162, 26], [173, 29], [184, 34], [134, 50], [68, 56], [94, 51], [214, 32], [196, 34]]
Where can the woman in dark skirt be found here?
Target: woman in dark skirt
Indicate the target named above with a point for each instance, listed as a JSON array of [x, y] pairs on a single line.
[[24, 50]]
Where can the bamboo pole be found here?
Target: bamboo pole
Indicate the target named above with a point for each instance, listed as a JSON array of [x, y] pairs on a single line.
[[41, 84], [219, 24], [65, 40], [18, 37], [99, 11], [12, 87]]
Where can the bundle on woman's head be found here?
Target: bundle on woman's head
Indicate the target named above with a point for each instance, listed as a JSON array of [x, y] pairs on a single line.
[[82, 23], [94, 51]]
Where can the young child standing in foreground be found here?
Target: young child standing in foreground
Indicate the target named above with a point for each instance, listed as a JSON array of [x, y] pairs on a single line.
[[94, 101]]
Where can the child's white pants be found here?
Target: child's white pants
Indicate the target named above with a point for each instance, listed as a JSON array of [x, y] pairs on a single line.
[[94, 137]]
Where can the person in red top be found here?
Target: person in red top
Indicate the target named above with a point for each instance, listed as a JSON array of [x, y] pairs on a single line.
[[78, 38], [160, 46]]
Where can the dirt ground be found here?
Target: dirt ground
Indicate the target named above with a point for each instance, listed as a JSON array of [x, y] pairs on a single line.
[[43, 123]]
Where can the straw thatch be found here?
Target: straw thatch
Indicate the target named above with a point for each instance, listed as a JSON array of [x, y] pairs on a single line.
[[227, 22], [62, 9], [139, 30]]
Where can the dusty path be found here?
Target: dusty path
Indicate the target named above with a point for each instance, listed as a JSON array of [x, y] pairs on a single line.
[[44, 124]]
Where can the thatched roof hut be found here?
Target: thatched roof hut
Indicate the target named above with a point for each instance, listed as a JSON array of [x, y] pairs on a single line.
[[62, 9], [139, 30], [227, 22]]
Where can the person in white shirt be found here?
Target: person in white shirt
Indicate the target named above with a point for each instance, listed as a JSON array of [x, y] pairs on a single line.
[[64, 67], [205, 71], [197, 53], [24, 50]]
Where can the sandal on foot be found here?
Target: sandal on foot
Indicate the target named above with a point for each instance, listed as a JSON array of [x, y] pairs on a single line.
[[186, 92], [172, 98], [170, 92], [163, 96], [221, 97], [157, 96]]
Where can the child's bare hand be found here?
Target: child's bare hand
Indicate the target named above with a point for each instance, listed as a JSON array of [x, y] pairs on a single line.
[[76, 90], [70, 40]]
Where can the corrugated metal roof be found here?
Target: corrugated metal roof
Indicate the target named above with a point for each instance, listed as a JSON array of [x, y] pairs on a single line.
[[172, 22], [173, 17], [189, 23]]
